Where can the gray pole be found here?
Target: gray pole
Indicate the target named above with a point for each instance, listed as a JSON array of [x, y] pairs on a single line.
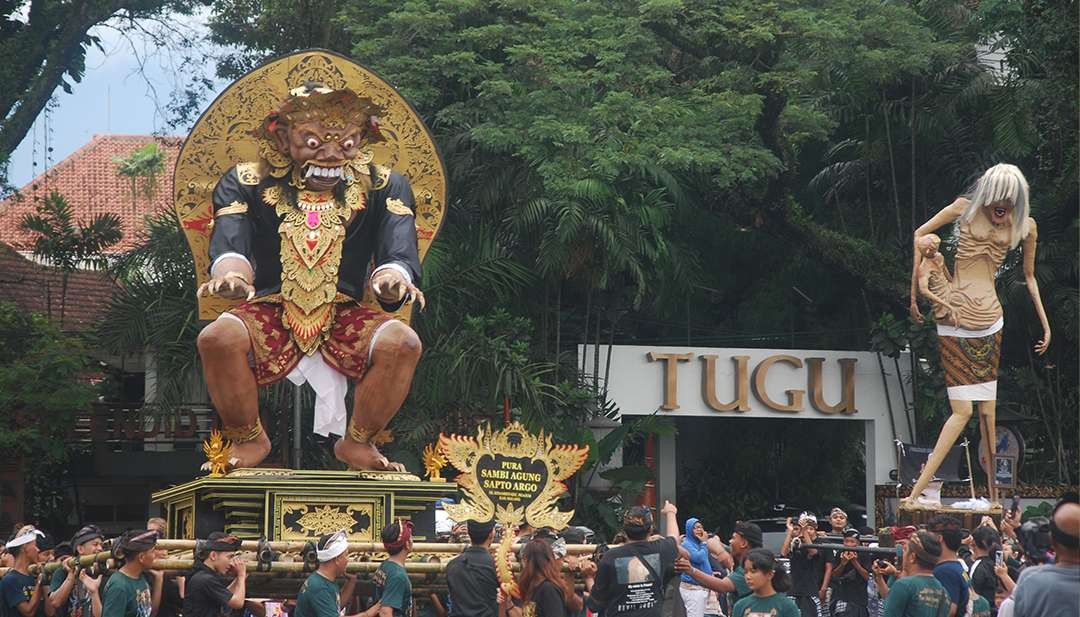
[[296, 426]]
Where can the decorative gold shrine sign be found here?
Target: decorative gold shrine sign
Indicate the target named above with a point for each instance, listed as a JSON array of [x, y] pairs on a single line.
[[513, 477]]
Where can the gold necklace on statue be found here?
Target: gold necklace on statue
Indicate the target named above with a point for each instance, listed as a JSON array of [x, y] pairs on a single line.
[[312, 232]]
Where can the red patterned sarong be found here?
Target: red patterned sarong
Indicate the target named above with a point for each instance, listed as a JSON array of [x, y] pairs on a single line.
[[276, 354]]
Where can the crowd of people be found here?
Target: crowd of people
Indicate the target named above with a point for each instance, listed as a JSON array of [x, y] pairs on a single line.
[[650, 570]]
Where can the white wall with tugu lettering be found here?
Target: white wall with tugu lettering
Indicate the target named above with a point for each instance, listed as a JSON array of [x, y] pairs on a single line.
[[764, 383]]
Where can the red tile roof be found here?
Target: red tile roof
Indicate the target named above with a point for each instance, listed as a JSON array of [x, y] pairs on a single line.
[[91, 184], [37, 289]]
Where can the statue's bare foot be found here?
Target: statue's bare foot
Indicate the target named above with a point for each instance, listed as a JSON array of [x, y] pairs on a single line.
[[250, 453], [912, 502], [363, 456]]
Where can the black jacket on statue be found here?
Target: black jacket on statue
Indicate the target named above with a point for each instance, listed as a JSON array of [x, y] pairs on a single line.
[[374, 237]]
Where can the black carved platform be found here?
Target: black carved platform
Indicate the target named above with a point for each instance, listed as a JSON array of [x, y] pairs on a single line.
[[284, 504]]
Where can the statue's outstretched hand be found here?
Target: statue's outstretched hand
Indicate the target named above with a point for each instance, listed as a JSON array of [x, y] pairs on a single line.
[[1044, 342], [389, 285], [231, 285]]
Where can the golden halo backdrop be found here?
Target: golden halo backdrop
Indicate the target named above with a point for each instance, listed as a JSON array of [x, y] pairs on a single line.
[[222, 137]]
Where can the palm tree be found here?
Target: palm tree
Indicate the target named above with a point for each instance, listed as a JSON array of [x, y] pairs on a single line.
[[155, 310], [146, 163], [68, 245]]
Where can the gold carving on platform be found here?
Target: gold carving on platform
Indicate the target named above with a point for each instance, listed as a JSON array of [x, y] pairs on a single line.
[[301, 518], [514, 477], [248, 173], [434, 461], [218, 451], [248, 472], [187, 523], [326, 520], [225, 134], [388, 476]]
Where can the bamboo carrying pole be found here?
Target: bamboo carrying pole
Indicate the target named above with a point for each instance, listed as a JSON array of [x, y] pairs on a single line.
[[105, 558], [295, 546], [274, 567], [840, 548]]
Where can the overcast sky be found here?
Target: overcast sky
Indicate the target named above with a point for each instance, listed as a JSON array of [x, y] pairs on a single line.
[[113, 97]]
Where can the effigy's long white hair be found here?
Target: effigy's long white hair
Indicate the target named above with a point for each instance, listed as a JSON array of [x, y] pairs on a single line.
[[1002, 182]]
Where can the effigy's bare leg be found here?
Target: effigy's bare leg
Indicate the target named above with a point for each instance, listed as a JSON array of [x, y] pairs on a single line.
[[223, 347], [988, 432], [950, 432], [378, 398]]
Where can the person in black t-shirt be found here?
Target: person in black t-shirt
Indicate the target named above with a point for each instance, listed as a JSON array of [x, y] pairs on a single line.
[[811, 569], [630, 578], [471, 575], [542, 583], [207, 594], [849, 574]]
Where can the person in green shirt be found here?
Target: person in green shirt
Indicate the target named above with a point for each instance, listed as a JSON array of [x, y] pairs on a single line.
[[392, 584], [766, 581], [319, 596], [127, 593], [980, 606], [69, 596], [917, 593]]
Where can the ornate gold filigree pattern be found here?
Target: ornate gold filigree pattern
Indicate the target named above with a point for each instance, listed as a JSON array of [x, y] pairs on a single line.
[[373, 437], [520, 451], [302, 516], [382, 177], [218, 451], [398, 207], [355, 197], [225, 135], [327, 519], [243, 434], [434, 461], [236, 207], [248, 172], [312, 232], [514, 441]]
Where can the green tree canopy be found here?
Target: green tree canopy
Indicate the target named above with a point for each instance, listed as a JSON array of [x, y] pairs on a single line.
[[741, 173], [43, 378]]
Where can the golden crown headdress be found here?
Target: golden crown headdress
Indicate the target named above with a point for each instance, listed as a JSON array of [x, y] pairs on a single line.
[[336, 109]]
